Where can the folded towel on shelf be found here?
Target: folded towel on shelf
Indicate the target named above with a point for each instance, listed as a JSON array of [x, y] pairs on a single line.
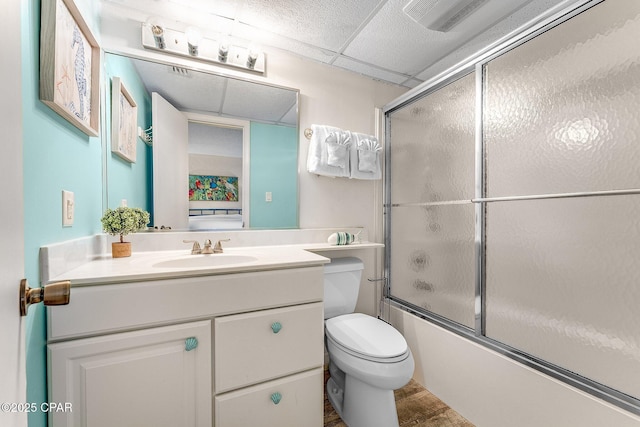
[[329, 151], [365, 157]]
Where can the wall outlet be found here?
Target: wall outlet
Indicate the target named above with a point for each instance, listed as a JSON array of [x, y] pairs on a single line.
[[268, 197], [68, 208]]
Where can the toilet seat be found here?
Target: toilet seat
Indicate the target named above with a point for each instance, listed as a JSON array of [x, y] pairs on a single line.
[[367, 337]]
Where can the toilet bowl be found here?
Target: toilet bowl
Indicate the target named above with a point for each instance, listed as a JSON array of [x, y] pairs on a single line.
[[368, 358]]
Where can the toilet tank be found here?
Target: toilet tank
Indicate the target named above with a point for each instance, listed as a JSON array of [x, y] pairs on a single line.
[[341, 286]]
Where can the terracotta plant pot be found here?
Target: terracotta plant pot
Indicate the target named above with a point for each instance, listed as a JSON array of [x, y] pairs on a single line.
[[120, 250]]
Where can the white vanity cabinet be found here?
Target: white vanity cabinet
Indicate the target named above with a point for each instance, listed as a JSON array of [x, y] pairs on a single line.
[[219, 350], [155, 377]]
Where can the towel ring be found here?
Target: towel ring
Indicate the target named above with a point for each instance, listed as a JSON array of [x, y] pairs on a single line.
[[308, 133]]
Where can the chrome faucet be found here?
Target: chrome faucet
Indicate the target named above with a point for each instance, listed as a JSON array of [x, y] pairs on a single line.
[[217, 249], [207, 247], [196, 247]]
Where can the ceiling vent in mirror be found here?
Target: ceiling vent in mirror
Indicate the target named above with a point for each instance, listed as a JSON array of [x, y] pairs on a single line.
[[441, 15], [179, 71]]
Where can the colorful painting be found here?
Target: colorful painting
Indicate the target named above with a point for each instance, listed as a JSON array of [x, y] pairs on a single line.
[[213, 188]]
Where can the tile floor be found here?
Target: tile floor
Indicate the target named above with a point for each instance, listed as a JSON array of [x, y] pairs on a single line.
[[417, 407]]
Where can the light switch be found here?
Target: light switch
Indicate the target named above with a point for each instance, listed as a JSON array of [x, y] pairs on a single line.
[[68, 208], [267, 197]]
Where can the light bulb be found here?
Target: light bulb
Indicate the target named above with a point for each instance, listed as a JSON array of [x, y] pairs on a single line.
[[158, 32], [223, 49], [194, 37], [252, 55]]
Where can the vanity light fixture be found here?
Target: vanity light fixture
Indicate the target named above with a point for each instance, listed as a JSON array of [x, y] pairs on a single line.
[[191, 44]]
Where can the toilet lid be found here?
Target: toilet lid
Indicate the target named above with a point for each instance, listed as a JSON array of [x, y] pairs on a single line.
[[366, 335]]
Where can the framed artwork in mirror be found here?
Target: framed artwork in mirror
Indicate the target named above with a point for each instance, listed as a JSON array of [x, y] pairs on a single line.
[[213, 188], [69, 65], [124, 121]]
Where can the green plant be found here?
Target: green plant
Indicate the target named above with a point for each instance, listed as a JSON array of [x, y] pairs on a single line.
[[124, 220]]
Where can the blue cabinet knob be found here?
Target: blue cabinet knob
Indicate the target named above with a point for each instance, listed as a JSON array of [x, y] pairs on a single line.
[[190, 343], [276, 327], [276, 398]]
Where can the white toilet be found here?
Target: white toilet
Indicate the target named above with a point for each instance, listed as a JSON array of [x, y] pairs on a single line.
[[368, 358]]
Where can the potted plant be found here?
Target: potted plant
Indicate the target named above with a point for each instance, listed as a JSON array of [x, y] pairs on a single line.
[[122, 221]]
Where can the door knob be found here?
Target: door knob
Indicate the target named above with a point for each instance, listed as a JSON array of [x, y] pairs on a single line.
[[57, 293]]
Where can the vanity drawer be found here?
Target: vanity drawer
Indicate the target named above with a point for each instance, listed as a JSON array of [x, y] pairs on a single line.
[[263, 345], [300, 403]]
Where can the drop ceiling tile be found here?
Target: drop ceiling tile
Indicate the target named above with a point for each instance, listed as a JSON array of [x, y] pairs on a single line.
[[369, 70], [225, 8], [327, 24], [508, 25], [265, 38], [394, 41], [291, 117], [257, 101], [412, 83], [193, 91]]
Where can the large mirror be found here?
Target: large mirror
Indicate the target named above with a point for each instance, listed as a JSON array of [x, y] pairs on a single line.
[[222, 152]]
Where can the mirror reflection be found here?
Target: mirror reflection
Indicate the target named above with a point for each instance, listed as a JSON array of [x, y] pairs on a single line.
[[230, 134]]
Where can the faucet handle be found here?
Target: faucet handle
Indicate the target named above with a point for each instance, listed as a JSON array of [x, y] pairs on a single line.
[[217, 248], [195, 250]]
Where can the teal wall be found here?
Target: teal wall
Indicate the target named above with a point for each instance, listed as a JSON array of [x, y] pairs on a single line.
[[274, 168], [130, 181], [58, 156]]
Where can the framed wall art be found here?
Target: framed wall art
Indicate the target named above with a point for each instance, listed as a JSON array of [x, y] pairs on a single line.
[[124, 121], [69, 65], [213, 188]]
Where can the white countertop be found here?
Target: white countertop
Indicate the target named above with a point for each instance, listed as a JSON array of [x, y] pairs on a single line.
[[144, 265]]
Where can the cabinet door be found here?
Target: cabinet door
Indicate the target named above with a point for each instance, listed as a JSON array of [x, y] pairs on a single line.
[[295, 400], [263, 345], [153, 377]]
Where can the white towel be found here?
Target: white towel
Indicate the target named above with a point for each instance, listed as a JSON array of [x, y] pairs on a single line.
[[365, 157], [329, 151]]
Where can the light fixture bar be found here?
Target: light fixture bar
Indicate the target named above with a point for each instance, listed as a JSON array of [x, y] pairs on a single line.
[[207, 50]]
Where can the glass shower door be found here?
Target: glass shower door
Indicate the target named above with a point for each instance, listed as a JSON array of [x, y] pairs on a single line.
[[431, 230]]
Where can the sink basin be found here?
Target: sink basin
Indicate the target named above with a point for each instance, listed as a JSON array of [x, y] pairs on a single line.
[[204, 261]]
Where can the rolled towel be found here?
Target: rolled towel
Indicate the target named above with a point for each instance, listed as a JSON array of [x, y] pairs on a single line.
[[343, 238]]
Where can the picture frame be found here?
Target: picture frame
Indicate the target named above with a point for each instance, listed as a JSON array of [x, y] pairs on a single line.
[[213, 188], [124, 121], [69, 65]]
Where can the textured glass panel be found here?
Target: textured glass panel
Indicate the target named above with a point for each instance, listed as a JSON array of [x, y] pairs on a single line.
[[561, 111], [433, 146], [563, 284], [432, 259]]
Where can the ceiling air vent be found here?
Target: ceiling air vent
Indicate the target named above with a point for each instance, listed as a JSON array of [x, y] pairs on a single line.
[[179, 71], [441, 15]]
